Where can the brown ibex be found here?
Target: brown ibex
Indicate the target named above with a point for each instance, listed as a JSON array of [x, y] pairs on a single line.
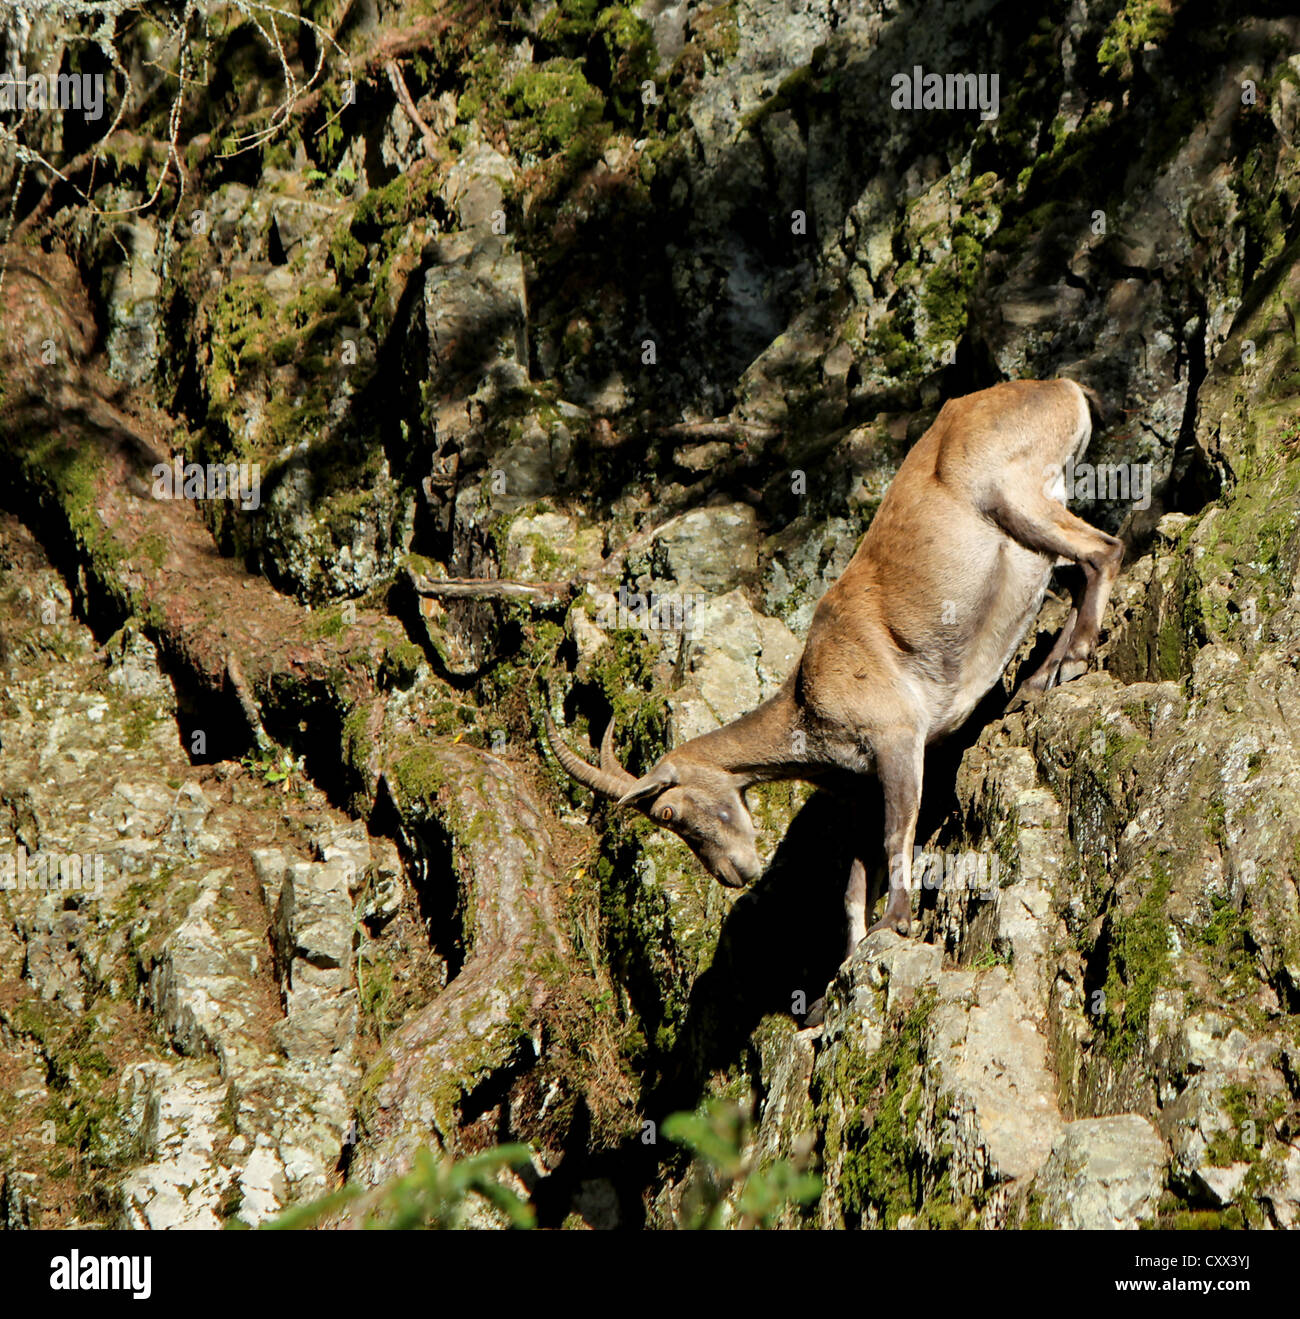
[[920, 625]]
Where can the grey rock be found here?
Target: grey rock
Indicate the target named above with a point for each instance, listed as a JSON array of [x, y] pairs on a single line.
[[388, 883], [475, 188], [133, 306], [1102, 1174], [710, 548], [732, 658], [314, 922], [269, 868], [20, 1209], [550, 547]]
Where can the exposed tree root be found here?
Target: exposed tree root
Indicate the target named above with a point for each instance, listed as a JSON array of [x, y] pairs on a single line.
[[81, 467]]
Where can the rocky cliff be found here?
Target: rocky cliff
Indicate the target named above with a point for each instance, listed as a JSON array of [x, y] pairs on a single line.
[[555, 357]]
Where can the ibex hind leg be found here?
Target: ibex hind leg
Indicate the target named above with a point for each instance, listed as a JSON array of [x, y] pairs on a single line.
[[857, 902], [1047, 673], [865, 886], [860, 897], [1042, 524]]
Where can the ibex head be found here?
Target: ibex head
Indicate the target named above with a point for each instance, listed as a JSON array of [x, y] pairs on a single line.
[[702, 803]]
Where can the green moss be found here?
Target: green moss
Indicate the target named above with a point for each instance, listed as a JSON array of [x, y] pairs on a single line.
[[395, 204], [625, 671], [1033, 1219], [357, 742], [83, 1098], [371, 1082], [1197, 1220], [152, 547], [347, 254], [1171, 651], [661, 935], [880, 1163], [52, 466], [1235, 560], [629, 49], [718, 32], [947, 288], [325, 623], [401, 663], [1136, 24], [256, 405], [898, 354], [1247, 1113], [138, 718], [1016, 236], [547, 561], [1139, 962], [375, 994], [236, 327], [570, 23], [552, 105], [803, 92], [1119, 748], [1216, 820], [419, 774]]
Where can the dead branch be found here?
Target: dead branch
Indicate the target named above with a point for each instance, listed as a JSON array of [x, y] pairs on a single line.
[[74, 167], [247, 702], [722, 428], [404, 96], [489, 588]]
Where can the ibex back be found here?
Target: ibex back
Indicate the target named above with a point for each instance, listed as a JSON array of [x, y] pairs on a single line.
[[918, 628]]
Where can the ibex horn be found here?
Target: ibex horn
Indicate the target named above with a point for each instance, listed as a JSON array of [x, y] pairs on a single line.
[[610, 780]]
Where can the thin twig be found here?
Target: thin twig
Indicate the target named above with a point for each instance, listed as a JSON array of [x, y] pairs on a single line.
[[404, 96]]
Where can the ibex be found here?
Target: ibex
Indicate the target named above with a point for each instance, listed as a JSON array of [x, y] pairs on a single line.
[[918, 628]]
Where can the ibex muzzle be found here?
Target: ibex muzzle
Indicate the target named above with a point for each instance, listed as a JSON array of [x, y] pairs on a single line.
[[919, 627]]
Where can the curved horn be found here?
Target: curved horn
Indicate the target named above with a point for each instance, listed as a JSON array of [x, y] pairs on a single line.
[[609, 760], [604, 781]]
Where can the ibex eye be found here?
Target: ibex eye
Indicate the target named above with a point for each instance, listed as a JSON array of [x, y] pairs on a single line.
[[666, 814]]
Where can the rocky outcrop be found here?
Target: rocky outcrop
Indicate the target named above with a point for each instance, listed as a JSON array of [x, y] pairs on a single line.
[[621, 319], [166, 1036]]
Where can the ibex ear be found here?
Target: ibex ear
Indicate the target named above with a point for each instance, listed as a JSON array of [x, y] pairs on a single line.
[[658, 780]]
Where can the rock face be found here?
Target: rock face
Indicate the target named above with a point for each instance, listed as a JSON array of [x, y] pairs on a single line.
[[1102, 1174], [573, 384], [239, 1098]]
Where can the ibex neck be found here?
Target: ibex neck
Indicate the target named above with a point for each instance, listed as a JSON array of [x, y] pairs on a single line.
[[767, 743]]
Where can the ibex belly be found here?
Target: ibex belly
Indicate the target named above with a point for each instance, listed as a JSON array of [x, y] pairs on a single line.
[[1017, 583]]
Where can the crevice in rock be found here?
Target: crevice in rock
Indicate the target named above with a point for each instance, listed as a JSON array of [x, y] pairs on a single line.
[[429, 849]]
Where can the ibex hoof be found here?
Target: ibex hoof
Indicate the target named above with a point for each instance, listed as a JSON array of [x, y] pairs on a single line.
[[899, 924], [1072, 669], [1032, 689]]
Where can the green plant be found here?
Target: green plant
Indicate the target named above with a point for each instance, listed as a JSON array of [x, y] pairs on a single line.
[[283, 769], [718, 1139], [434, 1194], [990, 958]]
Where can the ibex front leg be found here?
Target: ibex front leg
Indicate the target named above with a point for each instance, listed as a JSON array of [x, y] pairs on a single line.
[[900, 766], [1042, 524]]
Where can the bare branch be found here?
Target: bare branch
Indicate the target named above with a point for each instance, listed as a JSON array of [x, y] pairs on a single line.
[[247, 702], [489, 588], [722, 428], [404, 96]]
